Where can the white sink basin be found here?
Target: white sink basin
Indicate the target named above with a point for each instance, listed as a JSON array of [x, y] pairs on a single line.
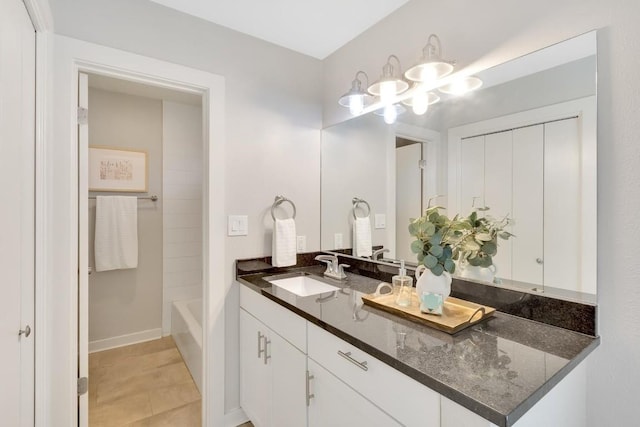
[[303, 285]]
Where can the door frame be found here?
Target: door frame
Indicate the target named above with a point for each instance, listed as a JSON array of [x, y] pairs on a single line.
[[72, 57]]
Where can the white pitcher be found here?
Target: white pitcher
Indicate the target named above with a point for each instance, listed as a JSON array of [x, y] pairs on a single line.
[[485, 274], [426, 281]]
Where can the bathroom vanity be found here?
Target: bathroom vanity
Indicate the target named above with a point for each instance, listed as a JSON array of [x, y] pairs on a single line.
[[327, 360]]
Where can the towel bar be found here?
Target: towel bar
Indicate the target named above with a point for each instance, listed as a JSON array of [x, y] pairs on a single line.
[[153, 198], [356, 201], [279, 200]]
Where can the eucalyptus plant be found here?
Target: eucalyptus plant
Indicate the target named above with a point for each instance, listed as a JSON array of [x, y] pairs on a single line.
[[477, 240], [432, 247], [440, 240]]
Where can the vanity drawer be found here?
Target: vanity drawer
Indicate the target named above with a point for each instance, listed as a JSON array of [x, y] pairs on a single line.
[[285, 323], [405, 399]]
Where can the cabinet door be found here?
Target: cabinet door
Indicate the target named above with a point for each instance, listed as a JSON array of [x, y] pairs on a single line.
[[454, 415], [562, 211], [288, 366], [255, 375], [471, 174], [528, 166], [498, 177], [337, 405]]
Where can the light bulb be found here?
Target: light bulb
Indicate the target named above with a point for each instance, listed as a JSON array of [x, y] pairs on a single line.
[[428, 74], [390, 114], [356, 104], [387, 90], [420, 103]]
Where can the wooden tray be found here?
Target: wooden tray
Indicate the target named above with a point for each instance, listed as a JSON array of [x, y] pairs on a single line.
[[456, 315]]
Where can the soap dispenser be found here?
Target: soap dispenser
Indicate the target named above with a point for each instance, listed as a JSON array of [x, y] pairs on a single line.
[[402, 287]]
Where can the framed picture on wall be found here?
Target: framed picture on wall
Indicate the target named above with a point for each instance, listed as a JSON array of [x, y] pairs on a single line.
[[117, 169]]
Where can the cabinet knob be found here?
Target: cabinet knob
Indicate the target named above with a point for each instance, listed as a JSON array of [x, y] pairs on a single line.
[[26, 331], [539, 261]]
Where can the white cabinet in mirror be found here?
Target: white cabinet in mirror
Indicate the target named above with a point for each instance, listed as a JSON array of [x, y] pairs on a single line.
[[523, 145]]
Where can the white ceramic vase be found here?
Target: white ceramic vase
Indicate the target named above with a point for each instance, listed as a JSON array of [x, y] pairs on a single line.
[[484, 274], [426, 281]]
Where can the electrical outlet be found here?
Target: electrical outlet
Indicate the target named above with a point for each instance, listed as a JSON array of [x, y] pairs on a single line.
[[302, 243], [238, 225], [337, 241]]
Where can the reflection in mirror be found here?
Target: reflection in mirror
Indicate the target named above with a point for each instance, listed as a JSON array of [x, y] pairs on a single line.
[[524, 145]]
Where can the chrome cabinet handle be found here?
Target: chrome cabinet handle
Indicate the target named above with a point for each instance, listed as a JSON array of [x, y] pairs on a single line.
[[267, 356], [309, 395], [260, 349], [361, 365], [26, 331]]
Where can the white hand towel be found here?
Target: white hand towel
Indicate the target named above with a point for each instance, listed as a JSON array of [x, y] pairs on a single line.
[[362, 237], [116, 243], [284, 243]]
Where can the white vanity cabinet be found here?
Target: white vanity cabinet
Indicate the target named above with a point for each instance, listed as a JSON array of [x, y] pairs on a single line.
[[403, 398], [272, 369], [336, 404]]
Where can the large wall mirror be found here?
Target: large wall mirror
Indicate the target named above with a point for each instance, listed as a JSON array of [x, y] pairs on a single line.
[[524, 145]]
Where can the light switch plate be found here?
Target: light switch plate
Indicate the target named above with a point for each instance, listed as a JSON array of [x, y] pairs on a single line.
[[380, 221], [238, 225], [337, 241], [301, 244]]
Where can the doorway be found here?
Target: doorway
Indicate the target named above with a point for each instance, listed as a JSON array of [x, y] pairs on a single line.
[[151, 137]]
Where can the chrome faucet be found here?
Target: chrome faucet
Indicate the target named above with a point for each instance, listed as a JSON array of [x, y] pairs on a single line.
[[334, 269], [377, 254]]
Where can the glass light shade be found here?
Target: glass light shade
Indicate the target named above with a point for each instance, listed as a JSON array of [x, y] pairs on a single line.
[[391, 112], [355, 101], [387, 88], [428, 71], [420, 101], [461, 86]]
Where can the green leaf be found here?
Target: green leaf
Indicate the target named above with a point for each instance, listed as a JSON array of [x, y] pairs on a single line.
[[417, 246], [420, 257], [436, 238], [414, 228], [490, 248], [471, 245], [450, 266], [438, 269], [448, 252], [436, 251], [505, 235], [484, 237], [430, 261]]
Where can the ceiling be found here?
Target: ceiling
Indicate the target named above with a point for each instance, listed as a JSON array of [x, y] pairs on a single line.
[[313, 27]]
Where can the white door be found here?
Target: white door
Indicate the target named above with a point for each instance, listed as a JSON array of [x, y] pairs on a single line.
[[528, 167], [335, 404], [83, 250], [408, 196], [471, 174], [562, 229], [498, 176], [255, 374], [17, 213], [288, 369]]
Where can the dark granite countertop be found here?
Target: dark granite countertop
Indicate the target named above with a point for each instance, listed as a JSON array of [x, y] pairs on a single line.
[[498, 369]]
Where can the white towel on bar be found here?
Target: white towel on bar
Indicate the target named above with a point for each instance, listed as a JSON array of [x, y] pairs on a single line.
[[116, 242], [284, 243], [362, 237]]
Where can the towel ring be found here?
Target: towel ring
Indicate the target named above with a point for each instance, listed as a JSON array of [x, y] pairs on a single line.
[[356, 201], [277, 202]]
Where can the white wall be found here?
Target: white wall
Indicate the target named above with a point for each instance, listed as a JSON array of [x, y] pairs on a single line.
[[182, 205], [128, 302], [487, 33], [273, 120]]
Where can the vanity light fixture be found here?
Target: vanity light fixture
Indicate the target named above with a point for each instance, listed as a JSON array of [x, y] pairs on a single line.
[[390, 84], [357, 98], [461, 86], [421, 100], [431, 66]]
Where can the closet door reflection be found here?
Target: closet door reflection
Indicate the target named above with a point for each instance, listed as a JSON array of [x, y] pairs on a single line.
[[408, 194]]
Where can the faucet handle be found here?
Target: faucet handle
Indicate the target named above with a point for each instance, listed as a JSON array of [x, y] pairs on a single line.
[[341, 268]]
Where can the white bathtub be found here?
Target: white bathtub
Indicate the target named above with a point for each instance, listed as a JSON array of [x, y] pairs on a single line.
[[186, 329]]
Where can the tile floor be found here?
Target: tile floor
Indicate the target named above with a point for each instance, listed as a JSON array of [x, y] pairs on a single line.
[[142, 385]]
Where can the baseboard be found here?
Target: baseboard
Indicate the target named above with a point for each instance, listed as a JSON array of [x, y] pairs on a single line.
[[235, 418], [122, 340]]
